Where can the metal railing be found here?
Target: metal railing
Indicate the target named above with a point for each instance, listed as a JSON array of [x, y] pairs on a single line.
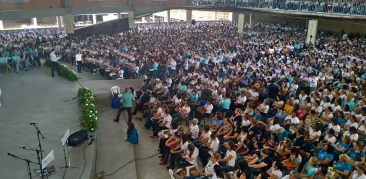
[[349, 7]]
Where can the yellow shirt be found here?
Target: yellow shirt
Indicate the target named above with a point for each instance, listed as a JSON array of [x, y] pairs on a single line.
[[288, 109]]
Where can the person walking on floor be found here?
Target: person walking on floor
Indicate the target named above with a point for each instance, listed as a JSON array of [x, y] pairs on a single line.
[[79, 61], [54, 61], [127, 101]]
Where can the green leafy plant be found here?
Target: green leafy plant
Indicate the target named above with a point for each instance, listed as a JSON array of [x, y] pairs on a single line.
[[65, 71], [89, 113]]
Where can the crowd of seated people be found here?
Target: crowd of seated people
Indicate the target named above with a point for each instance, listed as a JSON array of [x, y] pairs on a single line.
[[23, 49], [265, 106]]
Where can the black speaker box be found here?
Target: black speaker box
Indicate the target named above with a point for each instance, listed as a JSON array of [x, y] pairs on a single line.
[[77, 138]]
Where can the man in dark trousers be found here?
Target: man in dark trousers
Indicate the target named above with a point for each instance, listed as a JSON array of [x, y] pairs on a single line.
[[54, 61], [127, 99]]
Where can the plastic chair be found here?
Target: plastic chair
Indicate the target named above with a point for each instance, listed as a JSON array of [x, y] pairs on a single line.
[[116, 90], [171, 173], [188, 169]]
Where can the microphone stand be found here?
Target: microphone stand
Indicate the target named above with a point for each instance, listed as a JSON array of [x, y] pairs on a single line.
[[39, 152], [28, 163]]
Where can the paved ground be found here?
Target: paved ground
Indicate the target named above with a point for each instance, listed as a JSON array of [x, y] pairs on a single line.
[[35, 96]]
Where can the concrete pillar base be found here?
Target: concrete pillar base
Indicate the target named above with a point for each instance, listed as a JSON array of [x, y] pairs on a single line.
[[311, 33], [131, 20], [250, 20], [94, 19], [58, 21], [189, 18], [241, 19], [69, 23], [34, 22], [1, 25], [168, 16]]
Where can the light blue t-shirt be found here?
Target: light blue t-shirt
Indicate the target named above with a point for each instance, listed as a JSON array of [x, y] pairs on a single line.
[[15, 58], [194, 98], [2, 60], [225, 103], [343, 166], [127, 99], [310, 171], [155, 66]]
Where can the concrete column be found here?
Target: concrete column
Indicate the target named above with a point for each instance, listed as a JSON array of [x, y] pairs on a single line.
[[311, 33], [131, 20], [250, 20], [69, 23], [234, 17], [34, 22], [168, 16], [94, 19], [241, 19], [1, 25], [58, 21], [62, 21], [189, 18]]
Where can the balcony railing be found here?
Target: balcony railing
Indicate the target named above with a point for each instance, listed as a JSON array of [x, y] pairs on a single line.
[[345, 7]]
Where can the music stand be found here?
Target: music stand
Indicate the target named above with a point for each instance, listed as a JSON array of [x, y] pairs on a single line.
[[28, 163], [66, 157]]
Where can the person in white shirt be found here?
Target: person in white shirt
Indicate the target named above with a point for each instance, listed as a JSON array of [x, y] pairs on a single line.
[[54, 61], [314, 133], [293, 118], [78, 59], [194, 129], [359, 173], [230, 157], [209, 168], [190, 158]]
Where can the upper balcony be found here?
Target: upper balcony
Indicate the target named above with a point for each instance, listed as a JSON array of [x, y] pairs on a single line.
[[331, 8]]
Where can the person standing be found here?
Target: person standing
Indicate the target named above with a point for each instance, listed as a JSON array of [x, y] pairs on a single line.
[[15, 60], [54, 61], [79, 61], [127, 101]]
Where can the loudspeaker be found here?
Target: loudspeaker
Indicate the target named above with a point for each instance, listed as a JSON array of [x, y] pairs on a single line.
[[77, 138], [193, 22]]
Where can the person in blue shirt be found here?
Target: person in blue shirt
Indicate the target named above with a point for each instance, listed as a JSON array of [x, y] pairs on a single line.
[[127, 99], [342, 167], [325, 156], [36, 58], [355, 152], [342, 146], [310, 167], [4, 63], [132, 134], [15, 60], [225, 103]]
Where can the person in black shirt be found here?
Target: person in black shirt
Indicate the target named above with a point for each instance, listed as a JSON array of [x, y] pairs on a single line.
[[272, 91], [145, 97], [299, 138], [261, 165]]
